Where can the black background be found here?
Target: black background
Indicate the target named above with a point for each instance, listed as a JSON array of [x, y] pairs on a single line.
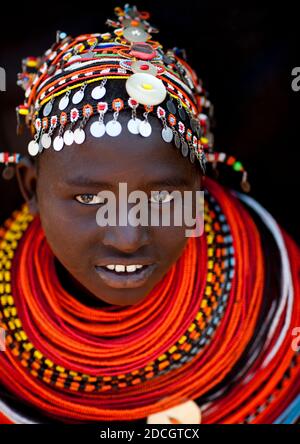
[[244, 53]]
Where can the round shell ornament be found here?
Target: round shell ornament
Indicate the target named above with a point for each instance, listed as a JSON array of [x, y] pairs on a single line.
[[146, 89]]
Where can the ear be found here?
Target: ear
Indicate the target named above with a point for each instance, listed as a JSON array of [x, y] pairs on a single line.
[[26, 174]]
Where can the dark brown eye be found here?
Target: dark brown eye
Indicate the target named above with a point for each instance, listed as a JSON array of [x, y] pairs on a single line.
[[89, 199], [161, 197]]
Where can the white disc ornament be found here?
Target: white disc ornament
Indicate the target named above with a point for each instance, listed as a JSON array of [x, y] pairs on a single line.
[[48, 108], [58, 143], [97, 129], [68, 137], [63, 103], [79, 136], [146, 89], [167, 134], [46, 141], [133, 125], [78, 96], [145, 129], [33, 148], [98, 92], [135, 34], [113, 128]]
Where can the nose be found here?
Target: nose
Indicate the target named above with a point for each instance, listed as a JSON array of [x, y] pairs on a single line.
[[127, 239]]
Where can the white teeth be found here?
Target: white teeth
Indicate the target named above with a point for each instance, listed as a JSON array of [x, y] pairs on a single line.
[[130, 268], [122, 268]]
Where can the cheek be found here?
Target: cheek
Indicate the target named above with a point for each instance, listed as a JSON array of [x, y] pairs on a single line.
[[70, 231], [171, 242]]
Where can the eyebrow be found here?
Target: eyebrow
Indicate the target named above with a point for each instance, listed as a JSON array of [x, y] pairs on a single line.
[[81, 181]]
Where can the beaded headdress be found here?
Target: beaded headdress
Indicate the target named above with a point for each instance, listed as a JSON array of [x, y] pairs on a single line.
[[81, 86]]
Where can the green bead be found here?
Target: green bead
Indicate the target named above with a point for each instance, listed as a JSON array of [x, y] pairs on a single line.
[[237, 166]]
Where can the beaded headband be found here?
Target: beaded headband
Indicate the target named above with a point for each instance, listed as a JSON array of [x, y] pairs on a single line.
[[96, 77]]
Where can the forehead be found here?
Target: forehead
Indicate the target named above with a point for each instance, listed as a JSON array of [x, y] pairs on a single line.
[[126, 157]]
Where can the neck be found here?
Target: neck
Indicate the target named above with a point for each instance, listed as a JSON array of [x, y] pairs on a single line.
[[72, 286]]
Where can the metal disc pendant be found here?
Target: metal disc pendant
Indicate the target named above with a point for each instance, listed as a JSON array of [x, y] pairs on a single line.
[[33, 148], [63, 103], [182, 113], [184, 149], [58, 143], [113, 128], [79, 136], [171, 107], [8, 172], [47, 109], [68, 137], [98, 92], [97, 129], [133, 125], [196, 127], [46, 141], [177, 140], [167, 134], [192, 156], [145, 129], [78, 96]]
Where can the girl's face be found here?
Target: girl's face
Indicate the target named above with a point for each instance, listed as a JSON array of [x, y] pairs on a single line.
[[65, 195]]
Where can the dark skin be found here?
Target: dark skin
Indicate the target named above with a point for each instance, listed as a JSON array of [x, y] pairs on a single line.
[[76, 240]]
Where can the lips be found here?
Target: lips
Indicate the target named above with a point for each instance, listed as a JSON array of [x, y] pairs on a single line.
[[125, 279]]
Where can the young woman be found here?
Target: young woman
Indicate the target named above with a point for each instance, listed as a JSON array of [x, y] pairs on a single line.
[[126, 321]]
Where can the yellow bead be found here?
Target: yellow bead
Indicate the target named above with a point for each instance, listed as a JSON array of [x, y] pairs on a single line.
[[3, 300], [199, 316], [37, 354], [182, 340], [18, 323], [23, 335], [147, 86], [192, 327]]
